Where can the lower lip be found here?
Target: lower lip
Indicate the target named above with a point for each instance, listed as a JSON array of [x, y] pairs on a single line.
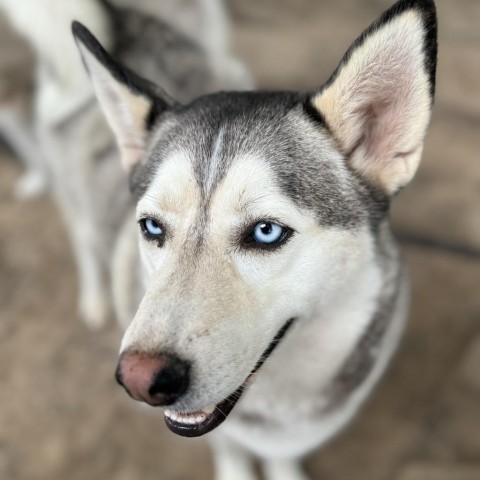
[[223, 409]]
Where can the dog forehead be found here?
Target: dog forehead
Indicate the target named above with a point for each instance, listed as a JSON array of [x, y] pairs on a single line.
[[245, 189], [221, 130], [211, 133]]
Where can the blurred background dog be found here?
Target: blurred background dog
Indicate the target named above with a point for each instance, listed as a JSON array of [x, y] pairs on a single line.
[[78, 156], [63, 417]]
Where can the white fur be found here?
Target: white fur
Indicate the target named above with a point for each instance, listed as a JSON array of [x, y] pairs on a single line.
[[315, 278], [62, 89], [274, 288], [220, 306], [215, 160], [16, 126], [62, 83]]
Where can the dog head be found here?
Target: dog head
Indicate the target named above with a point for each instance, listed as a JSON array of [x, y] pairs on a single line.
[[258, 208]]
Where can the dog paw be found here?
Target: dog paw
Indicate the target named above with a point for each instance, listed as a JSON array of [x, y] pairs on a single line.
[[31, 185], [95, 310]]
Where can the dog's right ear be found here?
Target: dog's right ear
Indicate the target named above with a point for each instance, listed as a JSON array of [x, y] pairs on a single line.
[[378, 102], [130, 103]]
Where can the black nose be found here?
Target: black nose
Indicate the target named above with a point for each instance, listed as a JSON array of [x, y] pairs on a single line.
[[158, 379], [171, 382]]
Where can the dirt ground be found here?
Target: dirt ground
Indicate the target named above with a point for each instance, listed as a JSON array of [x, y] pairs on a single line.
[[63, 418]]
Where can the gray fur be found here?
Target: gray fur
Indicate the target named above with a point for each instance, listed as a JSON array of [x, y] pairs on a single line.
[[156, 51], [274, 127], [361, 361]]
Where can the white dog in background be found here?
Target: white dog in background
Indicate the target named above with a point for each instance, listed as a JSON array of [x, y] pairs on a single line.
[[71, 138]]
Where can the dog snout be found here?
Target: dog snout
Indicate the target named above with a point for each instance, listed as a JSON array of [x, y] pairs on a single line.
[[157, 379]]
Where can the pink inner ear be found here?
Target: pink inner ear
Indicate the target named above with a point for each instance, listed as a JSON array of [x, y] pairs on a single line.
[[386, 108], [387, 121], [378, 104]]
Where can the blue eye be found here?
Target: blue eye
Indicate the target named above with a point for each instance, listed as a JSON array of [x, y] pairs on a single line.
[[268, 235], [267, 232], [151, 229]]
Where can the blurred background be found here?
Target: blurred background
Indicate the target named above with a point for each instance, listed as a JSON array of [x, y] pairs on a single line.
[[62, 415]]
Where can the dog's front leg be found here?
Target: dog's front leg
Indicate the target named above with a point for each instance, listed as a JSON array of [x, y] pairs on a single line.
[[94, 301], [231, 461], [18, 131], [284, 469]]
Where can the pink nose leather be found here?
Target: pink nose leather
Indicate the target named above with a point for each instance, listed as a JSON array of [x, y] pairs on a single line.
[[157, 379]]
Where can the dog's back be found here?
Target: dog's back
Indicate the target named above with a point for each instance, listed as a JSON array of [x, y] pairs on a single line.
[[186, 68], [203, 21]]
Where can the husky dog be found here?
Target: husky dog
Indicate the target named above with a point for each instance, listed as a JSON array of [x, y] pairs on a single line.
[[276, 294], [86, 175]]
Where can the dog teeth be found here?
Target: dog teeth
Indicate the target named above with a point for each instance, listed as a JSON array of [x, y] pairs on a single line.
[[171, 415], [187, 418]]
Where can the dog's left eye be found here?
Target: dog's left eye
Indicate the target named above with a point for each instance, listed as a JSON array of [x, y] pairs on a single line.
[[267, 235], [151, 229], [267, 232]]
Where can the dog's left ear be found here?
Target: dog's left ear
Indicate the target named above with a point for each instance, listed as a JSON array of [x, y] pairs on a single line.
[[378, 102], [130, 103]]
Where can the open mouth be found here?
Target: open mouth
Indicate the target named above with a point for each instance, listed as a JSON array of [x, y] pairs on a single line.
[[195, 424]]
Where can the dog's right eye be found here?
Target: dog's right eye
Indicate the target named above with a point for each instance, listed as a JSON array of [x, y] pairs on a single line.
[[266, 235], [152, 230]]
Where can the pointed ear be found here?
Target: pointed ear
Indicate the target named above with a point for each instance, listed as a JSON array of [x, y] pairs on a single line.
[[130, 103], [378, 102]]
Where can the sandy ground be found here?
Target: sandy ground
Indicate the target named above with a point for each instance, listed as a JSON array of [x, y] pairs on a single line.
[[61, 414]]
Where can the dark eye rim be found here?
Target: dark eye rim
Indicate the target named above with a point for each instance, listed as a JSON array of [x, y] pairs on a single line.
[[160, 238], [249, 242]]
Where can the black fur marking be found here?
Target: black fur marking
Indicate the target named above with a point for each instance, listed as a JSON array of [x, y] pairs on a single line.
[[155, 111], [314, 114], [273, 345], [428, 11]]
